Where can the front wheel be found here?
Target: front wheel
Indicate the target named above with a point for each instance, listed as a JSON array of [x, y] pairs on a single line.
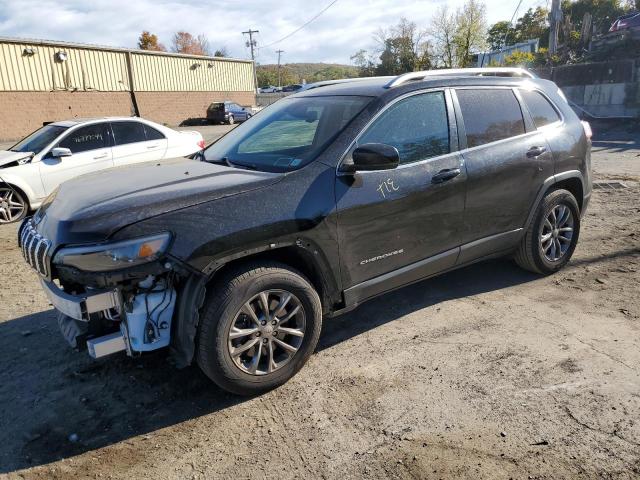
[[13, 206], [231, 120], [551, 238], [259, 326]]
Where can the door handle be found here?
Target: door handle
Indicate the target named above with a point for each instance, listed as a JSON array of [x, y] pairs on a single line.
[[102, 155], [535, 152], [152, 146], [445, 175]]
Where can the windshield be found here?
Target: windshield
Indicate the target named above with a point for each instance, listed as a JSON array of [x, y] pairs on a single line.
[[288, 134], [38, 139]]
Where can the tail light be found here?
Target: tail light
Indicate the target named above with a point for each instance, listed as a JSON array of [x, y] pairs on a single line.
[[201, 143], [587, 129]]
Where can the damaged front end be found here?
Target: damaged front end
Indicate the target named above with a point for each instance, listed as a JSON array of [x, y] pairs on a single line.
[[111, 297]]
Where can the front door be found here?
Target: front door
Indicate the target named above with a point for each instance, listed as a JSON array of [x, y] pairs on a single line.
[[390, 221], [91, 151]]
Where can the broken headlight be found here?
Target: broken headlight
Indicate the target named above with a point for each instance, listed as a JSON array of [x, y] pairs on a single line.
[[116, 255]]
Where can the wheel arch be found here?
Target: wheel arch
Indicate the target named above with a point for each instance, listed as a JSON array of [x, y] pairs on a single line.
[[21, 190], [571, 180], [300, 256]]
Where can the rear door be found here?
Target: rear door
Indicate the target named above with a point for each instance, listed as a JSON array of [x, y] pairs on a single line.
[[392, 219], [91, 151], [136, 142], [507, 161]]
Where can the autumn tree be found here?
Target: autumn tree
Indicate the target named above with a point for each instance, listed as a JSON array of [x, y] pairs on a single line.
[[184, 42], [404, 48], [149, 41]]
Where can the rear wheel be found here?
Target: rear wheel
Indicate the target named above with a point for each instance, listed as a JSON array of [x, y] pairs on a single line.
[[231, 120], [553, 234], [259, 327], [13, 205]]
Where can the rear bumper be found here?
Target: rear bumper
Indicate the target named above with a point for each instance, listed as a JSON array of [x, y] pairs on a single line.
[[80, 307]]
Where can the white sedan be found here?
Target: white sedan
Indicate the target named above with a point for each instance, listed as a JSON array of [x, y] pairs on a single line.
[[35, 166]]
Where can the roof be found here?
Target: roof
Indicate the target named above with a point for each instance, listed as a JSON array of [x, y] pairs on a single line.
[[378, 86], [77, 121], [87, 46]]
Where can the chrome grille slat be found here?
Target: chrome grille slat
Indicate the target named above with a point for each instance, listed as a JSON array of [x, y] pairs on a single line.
[[35, 249]]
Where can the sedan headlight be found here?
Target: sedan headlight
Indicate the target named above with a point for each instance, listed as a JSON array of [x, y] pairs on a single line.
[[116, 255]]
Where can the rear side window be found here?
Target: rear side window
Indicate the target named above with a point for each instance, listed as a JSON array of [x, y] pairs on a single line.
[[128, 132], [152, 133], [540, 108], [417, 126], [490, 115], [91, 137]]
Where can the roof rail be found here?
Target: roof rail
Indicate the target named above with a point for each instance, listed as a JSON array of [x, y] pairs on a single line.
[[325, 83], [461, 72]]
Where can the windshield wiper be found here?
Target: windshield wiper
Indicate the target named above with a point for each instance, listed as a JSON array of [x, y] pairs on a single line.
[[229, 163]]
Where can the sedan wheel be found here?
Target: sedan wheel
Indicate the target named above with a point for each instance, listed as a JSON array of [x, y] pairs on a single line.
[[12, 206]]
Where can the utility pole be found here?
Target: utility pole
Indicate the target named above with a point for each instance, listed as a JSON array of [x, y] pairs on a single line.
[[279, 52], [252, 43], [555, 17]]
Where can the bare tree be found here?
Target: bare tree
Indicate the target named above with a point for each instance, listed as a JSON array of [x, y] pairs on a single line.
[[443, 32]]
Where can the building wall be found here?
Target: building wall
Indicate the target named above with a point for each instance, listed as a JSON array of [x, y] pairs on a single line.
[[600, 89], [36, 87], [175, 108], [84, 69], [24, 112], [154, 73]]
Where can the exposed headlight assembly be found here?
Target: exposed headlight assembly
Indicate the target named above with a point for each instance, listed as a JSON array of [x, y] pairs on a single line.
[[116, 255]]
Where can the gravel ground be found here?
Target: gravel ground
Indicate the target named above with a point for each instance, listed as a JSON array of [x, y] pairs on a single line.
[[488, 371]]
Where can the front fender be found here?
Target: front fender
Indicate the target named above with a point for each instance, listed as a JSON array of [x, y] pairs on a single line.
[[18, 182]]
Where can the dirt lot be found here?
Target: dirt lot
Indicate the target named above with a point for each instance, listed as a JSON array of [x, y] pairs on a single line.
[[484, 372]]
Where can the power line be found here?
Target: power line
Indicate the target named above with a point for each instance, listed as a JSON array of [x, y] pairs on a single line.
[[301, 27]]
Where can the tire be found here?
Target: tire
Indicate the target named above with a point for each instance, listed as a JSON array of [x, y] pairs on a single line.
[[223, 312], [13, 205], [534, 252], [231, 120]]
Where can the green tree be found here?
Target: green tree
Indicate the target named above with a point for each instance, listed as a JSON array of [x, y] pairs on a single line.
[[221, 52], [364, 62], [443, 30], [604, 12], [470, 31], [500, 34], [404, 48], [533, 24]]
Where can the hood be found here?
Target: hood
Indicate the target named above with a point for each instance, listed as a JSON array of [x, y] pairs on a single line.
[[92, 207], [7, 157]]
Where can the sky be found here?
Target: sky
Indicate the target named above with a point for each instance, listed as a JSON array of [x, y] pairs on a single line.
[[345, 27]]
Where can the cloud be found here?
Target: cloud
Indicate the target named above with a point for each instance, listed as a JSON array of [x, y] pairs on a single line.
[[342, 30]]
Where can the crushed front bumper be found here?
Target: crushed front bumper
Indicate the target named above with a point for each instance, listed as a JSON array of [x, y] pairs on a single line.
[[80, 307]]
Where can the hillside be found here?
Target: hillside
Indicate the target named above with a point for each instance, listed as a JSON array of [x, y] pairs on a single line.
[[297, 72]]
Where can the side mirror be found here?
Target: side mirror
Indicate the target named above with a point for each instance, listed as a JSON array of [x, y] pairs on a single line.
[[374, 156], [61, 152]]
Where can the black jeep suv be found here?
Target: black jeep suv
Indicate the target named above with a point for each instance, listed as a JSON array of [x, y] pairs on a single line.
[[326, 199]]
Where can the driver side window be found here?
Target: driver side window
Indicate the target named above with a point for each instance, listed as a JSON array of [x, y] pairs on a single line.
[[417, 126], [91, 137]]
